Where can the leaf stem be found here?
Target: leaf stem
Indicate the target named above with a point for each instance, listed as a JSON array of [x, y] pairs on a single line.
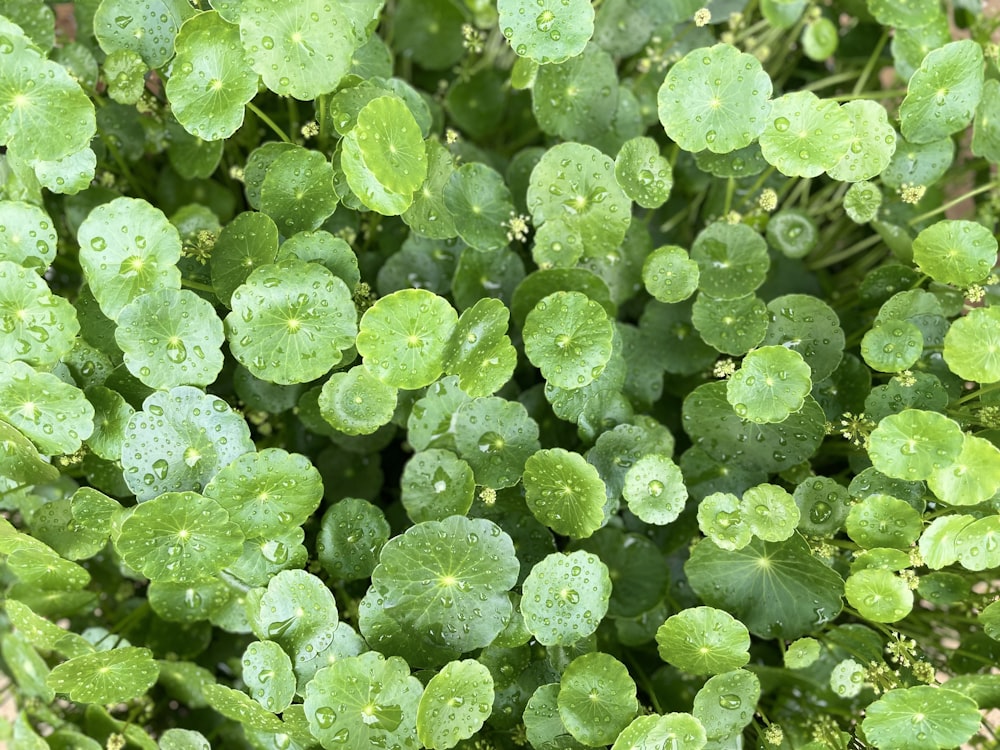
[[884, 94], [822, 83], [854, 249], [979, 392], [268, 121], [953, 202], [870, 65], [197, 286]]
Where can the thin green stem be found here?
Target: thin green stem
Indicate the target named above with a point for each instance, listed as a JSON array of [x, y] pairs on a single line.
[[854, 249], [833, 80], [953, 202], [765, 175], [197, 286], [979, 392], [870, 65], [269, 122], [730, 188], [886, 94]]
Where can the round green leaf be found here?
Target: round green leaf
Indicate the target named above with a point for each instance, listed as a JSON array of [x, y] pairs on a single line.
[[297, 611], [181, 347], [955, 252], [862, 202], [670, 275], [973, 478], [643, 173], [823, 506], [210, 82], [731, 326], [480, 204], [721, 519], [921, 718], [351, 535], [128, 248], [455, 704], [403, 337], [732, 260], [879, 595], [565, 597], [543, 727], [364, 701], [449, 579], [802, 653], [972, 345], [777, 589], [576, 183], [241, 708], [820, 39], [564, 492], [106, 676], [267, 672], [297, 191], [656, 732], [654, 490], [547, 32], [807, 325], [495, 437], [919, 163], [291, 322], [183, 739], [428, 214], [704, 640], [892, 345], [300, 50], [906, 14], [364, 185], [188, 602], [726, 703], [179, 441], [914, 444], [806, 135], [977, 545], [568, 337], [268, 492], [148, 27], [884, 521], [179, 536], [323, 248], [248, 241], [715, 98], [793, 232], [576, 99], [69, 175], [770, 512], [356, 402], [872, 146], [436, 484], [390, 143], [20, 461], [27, 235], [943, 93], [479, 351], [772, 383], [596, 698], [36, 326], [55, 416]]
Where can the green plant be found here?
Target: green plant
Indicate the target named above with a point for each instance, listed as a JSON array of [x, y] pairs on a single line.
[[442, 373]]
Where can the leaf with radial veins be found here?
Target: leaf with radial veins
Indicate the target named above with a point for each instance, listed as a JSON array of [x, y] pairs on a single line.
[[180, 440], [403, 337], [973, 478], [247, 242], [955, 252], [872, 146], [148, 27], [972, 345], [806, 135], [44, 114], [355, 402], [495, 437], [655, 732], [364, 701], [914, 444], [480, 204], [297, 611], [455, 704], [27, 235], [564, 492], [268, 492], [547, 32], [921, 718], [771, 384], [451, 576], [565, 597], [390, 143], [210, 83], [179, 536], [643, 173], [732, 260], [297, 191], [20, 461], [171, 337], [54, 415], [715, 98], [36, 326], [704, 640], [944, 92], [267, 672], [670, 275], [104, 677], [291, 322], [725, 704], [596, 698], [479, 351], [300, 49], [654, 489], [568, 337]]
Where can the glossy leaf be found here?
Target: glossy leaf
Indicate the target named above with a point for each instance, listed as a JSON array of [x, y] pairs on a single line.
[[943, 93], [564, 492], [805, 135], [106, 676], [454, 704], [568, 337], [55, 416], [596, 698], [565, 597], [771, 384], [704, 640]]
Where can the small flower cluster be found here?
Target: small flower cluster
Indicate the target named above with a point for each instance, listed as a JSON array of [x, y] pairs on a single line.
[[517, 227], [855, 428], [724, 368], [906, 379], [912, 194], [473, 39]]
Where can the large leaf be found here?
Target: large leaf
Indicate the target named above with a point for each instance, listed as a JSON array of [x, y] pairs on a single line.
[[54, 415], [778, 589], [106, 676]]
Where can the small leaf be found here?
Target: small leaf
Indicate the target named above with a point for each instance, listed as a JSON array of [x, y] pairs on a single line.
[[297, 191], [726, 703], [548, 32], [654, 489], [669, 274], [972, 345], [943, 94], [27, 235], [480, 352], [872, 146], [643, 173], [955, 252], [771, 384], [454, 704], [914, 444], [973, 478], [267, 672], [879, 595], [564, 492], [596, 698], [565, 597], [806, 135], [113, 676], [921, 718], [704, 640], [298, 612], [148, 27], [436, 484], [355, 402], [568, 337], [55, 416]]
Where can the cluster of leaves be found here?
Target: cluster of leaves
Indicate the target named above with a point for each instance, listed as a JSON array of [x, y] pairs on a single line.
[[459, 374]]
